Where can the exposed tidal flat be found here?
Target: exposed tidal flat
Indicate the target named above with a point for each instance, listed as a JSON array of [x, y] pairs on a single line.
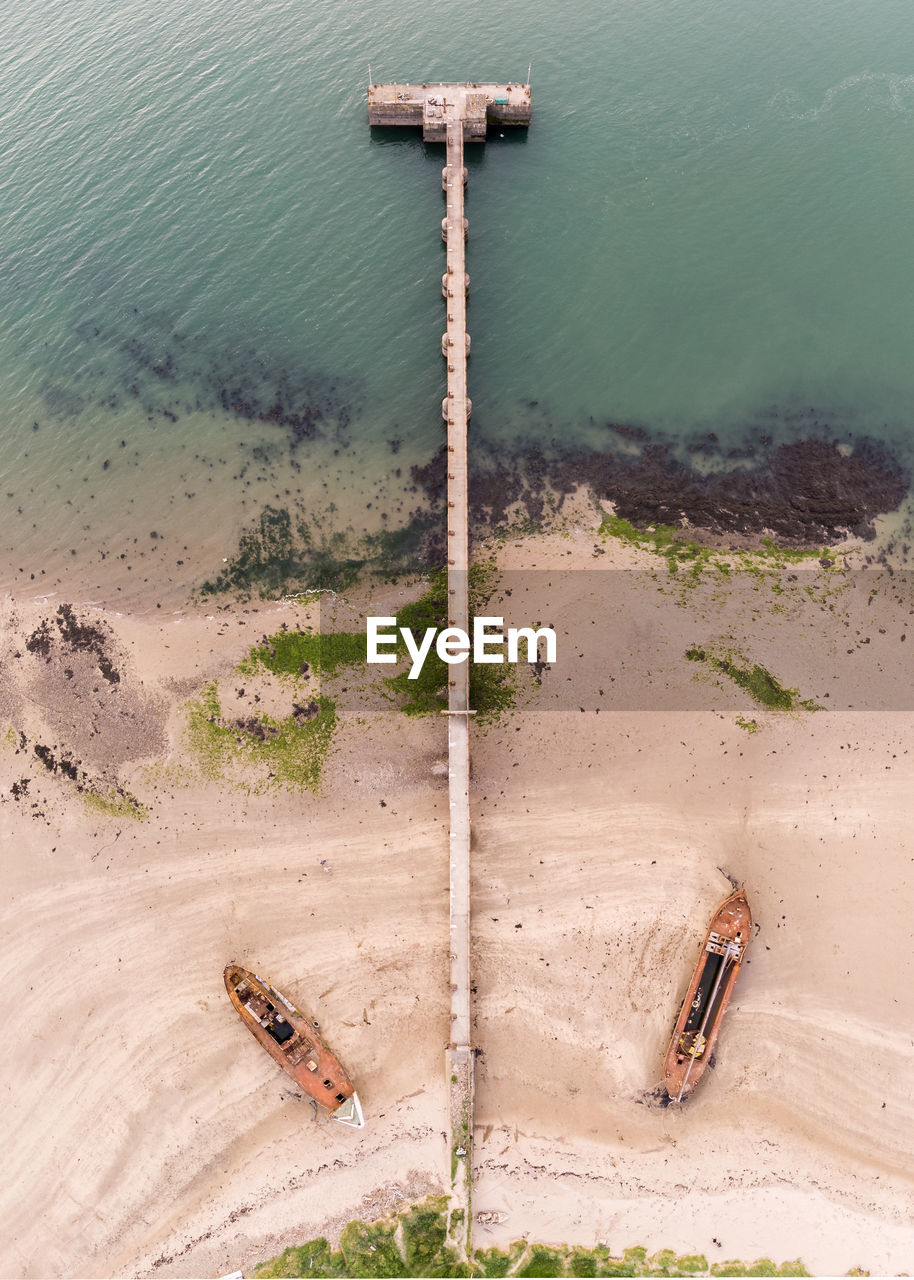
[[233, 780], [228, 756]]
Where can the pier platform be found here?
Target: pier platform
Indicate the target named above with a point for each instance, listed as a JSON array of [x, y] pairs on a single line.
[[431, 106]]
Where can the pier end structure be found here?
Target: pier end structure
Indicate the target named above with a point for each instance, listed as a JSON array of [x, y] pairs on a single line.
[[455, 114], [429, 106]]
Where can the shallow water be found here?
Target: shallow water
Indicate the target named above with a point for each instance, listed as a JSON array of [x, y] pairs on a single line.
[[706, 228]]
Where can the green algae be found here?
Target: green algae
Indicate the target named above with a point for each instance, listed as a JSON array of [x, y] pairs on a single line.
[[260, 751], [291, 654], [680, 552], [295, 653], [272, 557], [413, 1243], [493, 691], [288, 753], [493, 687], [281, 553], [114, 802], [756, 681]]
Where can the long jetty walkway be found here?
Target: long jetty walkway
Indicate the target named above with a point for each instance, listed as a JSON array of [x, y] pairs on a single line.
[[455, 409], [455, 114]]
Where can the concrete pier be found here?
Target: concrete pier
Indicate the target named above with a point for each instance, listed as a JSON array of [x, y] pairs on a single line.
[[455, 114], [429, 106], [459, 1058]]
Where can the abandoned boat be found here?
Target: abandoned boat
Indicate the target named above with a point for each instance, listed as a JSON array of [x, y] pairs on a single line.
[[706, 1000], [295, 1043]]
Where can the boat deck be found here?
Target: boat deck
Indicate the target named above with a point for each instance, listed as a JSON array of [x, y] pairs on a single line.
[[290, 1038], [708, 996]]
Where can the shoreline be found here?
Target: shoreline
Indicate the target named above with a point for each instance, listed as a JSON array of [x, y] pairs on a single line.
[[584, 935], [278, 540]]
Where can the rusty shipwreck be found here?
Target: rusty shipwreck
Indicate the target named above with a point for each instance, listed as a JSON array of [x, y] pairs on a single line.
[[707, 997], [294, 1041]]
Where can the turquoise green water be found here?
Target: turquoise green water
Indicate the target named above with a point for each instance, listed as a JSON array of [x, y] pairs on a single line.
[[710, 217]]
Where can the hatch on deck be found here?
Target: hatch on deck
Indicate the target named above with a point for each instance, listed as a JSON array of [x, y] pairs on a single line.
[[281, 1031]]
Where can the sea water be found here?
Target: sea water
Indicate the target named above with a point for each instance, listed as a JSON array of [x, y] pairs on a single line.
[[706, 228]]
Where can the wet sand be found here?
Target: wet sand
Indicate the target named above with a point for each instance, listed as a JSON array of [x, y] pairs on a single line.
[[147, 1135]]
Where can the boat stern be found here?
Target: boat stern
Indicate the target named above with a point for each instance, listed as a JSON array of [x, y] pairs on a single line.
[[350, 1112]]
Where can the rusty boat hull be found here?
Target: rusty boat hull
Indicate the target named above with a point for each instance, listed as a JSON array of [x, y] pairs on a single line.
[[708, 996], [294, 1042]]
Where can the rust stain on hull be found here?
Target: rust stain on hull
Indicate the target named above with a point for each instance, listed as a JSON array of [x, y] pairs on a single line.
[[708, 996], [294, 1042]]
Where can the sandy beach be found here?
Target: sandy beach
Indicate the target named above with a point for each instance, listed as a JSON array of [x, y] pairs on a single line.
[[147, 1135]]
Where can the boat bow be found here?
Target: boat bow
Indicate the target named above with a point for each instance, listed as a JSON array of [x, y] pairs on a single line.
[[350, 1112]]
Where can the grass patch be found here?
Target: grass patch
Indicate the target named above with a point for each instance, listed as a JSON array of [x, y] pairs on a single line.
[[372, 1250], [583, 1262], [462, 1140], [274, 753], [315, 1258], [498, 1262], [751, 726], [543, 1262], [413, 1243], [424, 1232]]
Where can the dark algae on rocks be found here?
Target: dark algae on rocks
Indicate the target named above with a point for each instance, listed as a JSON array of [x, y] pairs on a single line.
[[804, 492]]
